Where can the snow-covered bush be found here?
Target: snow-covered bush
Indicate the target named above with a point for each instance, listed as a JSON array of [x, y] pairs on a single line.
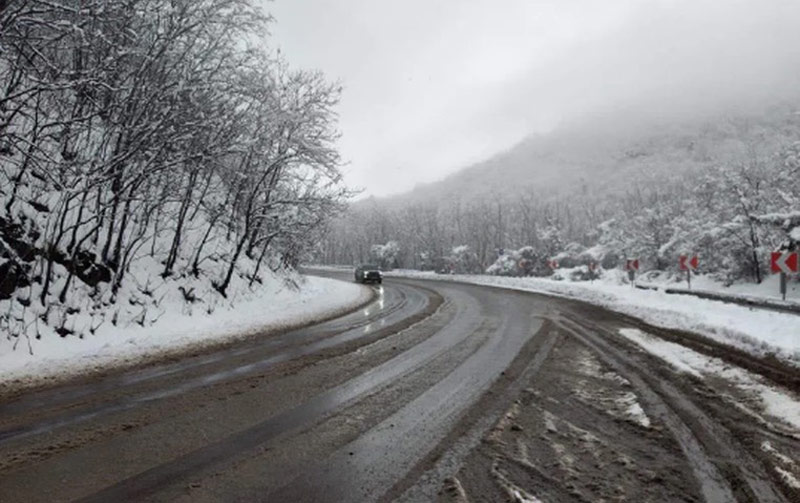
[[584, 273], [523, 262], [431, 262], [551, 239], [385, 256], [462, 260], [570, 256], [505, 265]]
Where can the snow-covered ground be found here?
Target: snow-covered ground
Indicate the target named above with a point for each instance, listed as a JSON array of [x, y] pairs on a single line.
[[282, 303], [757, 397], [755, 330], [776, 403], [768, 289]]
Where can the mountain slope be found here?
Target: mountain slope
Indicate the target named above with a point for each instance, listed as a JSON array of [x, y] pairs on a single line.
[[724, 187], [610, 158]]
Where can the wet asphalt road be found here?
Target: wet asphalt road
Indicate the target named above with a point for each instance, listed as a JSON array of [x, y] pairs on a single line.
[[382, 404]]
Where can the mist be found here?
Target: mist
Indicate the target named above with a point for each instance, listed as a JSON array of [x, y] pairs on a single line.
[[673, 61], [435, 86]]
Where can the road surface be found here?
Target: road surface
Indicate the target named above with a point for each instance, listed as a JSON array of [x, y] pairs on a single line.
[[436, 391]]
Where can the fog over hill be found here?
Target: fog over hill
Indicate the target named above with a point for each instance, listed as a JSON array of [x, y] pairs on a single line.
[[475, 79], [725, 184], [612, 154]]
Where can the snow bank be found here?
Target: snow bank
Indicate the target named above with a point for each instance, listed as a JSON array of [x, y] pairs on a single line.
[[281, 303], [776, 402], [769, 289], [760, 332]]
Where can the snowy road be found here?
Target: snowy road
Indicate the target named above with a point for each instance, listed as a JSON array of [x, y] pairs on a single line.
[[436, 390]]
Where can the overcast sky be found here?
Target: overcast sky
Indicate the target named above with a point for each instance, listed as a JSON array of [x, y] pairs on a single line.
[[431, 86]]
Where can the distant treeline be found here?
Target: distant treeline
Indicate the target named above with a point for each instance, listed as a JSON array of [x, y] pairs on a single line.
[[727, 191]]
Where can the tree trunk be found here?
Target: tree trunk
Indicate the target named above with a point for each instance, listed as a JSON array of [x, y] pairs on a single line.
[[227, 281], [172, 257], [260, 260]]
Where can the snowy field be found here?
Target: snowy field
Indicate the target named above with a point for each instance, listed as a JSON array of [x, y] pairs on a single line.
[[758, 331], [279, 305]]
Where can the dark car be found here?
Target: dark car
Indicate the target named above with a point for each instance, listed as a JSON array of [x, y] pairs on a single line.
[[368, 274]]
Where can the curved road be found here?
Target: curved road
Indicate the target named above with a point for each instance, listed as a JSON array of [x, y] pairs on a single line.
[[434, 391]]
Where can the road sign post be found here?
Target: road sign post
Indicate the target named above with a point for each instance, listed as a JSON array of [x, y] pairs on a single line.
[[783, 285], [632, 265], [689, 264], [784, 262]]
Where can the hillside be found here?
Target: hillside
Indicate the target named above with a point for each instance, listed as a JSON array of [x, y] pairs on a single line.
[[724, 186], [611, 158], [161, 169]]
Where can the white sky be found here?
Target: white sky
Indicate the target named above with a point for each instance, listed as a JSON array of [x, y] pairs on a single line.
[[431, 86]]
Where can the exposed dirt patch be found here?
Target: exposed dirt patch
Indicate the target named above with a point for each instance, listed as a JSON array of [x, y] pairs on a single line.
[[575, 433]]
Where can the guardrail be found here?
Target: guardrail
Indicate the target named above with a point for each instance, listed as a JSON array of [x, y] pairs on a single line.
[[742, 300]]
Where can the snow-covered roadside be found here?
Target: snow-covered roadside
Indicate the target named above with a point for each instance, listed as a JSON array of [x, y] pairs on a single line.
[[279, 307], [776, 403], [758, 331], [768, 289], [754, 395]]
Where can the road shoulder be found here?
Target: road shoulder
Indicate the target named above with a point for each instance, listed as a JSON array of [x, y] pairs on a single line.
[[132, 347]]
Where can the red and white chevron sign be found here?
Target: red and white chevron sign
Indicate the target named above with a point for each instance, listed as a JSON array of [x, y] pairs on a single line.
[[553, 264], [687, 262], [632, 265], [785, 262]]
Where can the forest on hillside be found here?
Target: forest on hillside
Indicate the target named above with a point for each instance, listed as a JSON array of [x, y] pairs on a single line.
[[150, 147], [726, 189]]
